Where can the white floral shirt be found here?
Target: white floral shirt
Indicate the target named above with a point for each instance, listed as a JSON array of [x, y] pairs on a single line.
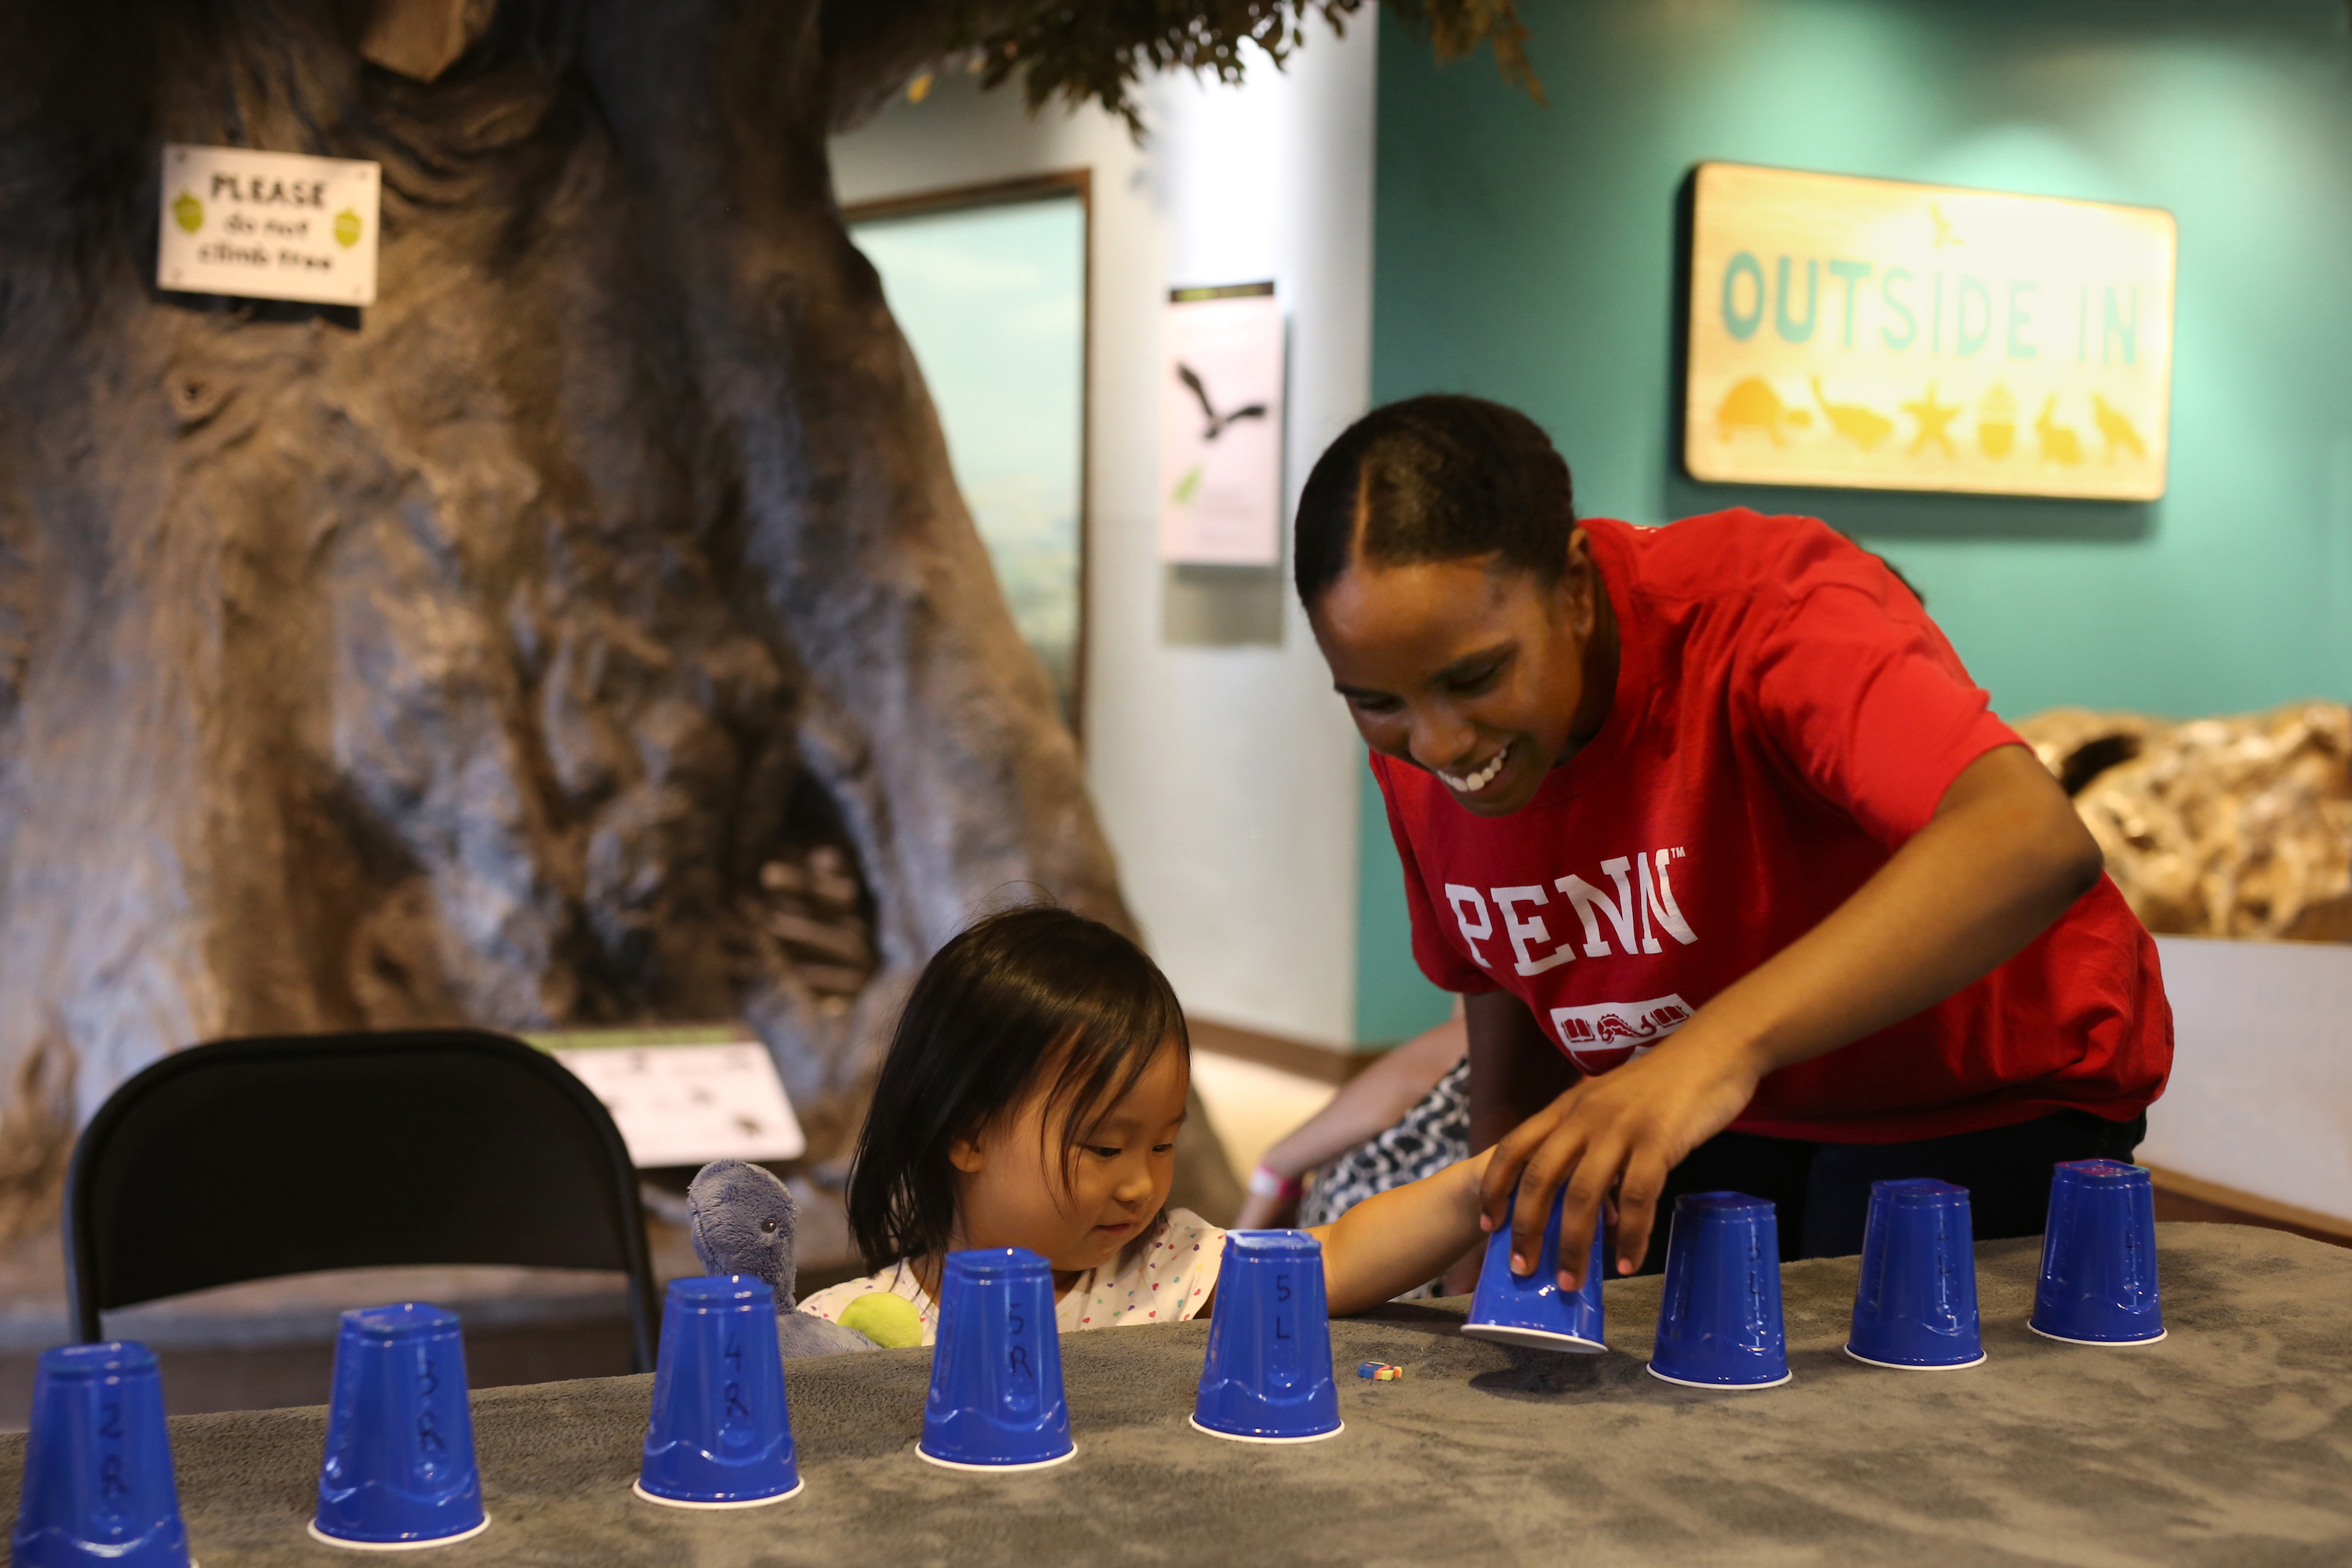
[[1167, 1282]]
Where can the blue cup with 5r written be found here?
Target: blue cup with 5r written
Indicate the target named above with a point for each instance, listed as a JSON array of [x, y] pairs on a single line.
[[1267, 1375], [399, 1468], [719, 1436], [996, 1400], [1533, 1311], [98, 1465]]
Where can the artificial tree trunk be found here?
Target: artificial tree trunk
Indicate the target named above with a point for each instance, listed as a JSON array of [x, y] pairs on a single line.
[[470, 657]]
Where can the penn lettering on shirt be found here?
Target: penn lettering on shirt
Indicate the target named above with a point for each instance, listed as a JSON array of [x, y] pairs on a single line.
[[1786, 716]]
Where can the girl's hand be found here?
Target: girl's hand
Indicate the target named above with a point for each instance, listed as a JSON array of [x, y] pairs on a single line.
[[1622, 1131]]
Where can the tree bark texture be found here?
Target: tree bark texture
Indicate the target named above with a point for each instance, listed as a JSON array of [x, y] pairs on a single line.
[[467, 658]]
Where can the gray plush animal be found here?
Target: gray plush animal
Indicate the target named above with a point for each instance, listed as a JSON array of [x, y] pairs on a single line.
[[743, 1220]]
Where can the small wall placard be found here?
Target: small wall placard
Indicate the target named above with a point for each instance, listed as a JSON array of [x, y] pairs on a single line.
[[268, 226], [1221, 427], [1874, 335]]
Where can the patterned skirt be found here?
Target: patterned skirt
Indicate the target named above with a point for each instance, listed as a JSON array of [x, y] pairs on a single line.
[[1430, 1136]]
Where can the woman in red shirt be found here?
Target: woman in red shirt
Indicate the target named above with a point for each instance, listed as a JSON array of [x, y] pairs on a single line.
[[1745, 885]]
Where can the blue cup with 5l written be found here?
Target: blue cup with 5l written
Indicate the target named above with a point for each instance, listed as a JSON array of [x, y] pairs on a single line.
[[1719, 1323], [1534, 1312], [719, 1436], [2098, 1257], [1267, 1375], [399, 1468], [996, 1400], [1915, 1305], [98, 1465]]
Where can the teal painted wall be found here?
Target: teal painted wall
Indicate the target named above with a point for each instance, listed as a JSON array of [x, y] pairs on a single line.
[[1526, 254]]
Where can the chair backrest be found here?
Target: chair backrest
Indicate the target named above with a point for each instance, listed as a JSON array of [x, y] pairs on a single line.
[[249, 1158]]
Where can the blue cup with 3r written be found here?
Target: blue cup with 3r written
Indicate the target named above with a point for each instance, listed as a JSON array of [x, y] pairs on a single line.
[[996, 1400], [2098, 1257], [1915, 1304], [399, 1469], [1719, 1323], [98, 1465], [719, 1436], [1267, 1375], [1533, 1311]]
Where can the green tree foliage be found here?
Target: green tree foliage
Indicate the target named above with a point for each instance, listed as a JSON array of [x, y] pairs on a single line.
[[1078, 50]]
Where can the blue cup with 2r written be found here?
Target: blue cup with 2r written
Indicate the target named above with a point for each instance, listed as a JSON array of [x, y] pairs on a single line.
[[1533, 1311], [996, 1400], [719, 1436], [399, 1468], [1267, 1375], [2098, 1257], [98, 1465], [1719, 1323]]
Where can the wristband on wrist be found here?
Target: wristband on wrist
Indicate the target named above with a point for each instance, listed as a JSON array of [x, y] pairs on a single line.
[[1266, 1182]]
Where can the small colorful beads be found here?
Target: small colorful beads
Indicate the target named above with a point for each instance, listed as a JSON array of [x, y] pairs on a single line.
[[1379, 1371]]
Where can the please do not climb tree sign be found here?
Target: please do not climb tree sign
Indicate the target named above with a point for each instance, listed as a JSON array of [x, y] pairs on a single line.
[[1882, 335]]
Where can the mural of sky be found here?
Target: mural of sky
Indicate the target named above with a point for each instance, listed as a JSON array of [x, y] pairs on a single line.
[[993, 299]]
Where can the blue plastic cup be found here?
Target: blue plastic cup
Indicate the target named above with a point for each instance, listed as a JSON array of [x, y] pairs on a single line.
[[98, 1465], [1719, 1323], [1535, 1311], [2098, 1257], [399, 1469], [1915, 1306], [996, 1368], [719, 1436], [1267, 1375]]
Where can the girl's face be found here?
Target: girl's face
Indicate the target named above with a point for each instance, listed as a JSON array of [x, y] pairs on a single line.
[[1014, 1192], [1482, 675]]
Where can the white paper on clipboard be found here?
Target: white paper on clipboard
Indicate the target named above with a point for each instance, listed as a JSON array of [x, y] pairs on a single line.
[[691, 1104]]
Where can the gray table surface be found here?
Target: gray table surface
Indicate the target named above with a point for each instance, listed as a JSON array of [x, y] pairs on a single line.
[[2230, 1442]]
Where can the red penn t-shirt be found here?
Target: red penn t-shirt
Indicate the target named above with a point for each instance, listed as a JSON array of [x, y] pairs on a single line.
[[1786, 716]]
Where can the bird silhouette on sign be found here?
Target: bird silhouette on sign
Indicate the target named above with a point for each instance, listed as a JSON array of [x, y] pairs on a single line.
[[1217, 422]]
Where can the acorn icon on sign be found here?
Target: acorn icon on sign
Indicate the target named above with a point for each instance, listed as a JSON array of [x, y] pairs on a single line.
[[1997, 423], [188, 211], [347, 228]]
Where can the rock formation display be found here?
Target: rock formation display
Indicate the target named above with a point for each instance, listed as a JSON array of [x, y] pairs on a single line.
[[2237, 826]]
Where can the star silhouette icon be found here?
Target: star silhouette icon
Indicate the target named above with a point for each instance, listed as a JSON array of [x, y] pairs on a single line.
[[1933, 418]]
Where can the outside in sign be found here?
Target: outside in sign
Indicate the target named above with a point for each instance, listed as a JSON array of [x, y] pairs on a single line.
[[268, 226], [1873, 334]]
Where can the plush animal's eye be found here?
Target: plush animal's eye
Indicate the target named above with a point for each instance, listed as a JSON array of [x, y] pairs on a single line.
[[769, 1225]]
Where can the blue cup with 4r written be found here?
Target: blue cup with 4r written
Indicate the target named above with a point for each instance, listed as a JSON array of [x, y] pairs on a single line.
[[1915, 1305], [719, 1436], [1719, 1321], [1534, 1310], [98, 1465], [996, 1401], [2098, 1257], [399, 1468], [1267, 1375]]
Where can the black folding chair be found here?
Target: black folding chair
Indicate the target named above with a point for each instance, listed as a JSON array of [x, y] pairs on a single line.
[[252, 1158]]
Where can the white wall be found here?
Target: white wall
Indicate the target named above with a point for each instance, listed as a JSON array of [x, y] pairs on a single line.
[[1225, 775], [2261, 1094]]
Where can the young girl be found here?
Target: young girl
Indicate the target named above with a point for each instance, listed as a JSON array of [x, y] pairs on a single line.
[[1032, 1096], [1746, 886]]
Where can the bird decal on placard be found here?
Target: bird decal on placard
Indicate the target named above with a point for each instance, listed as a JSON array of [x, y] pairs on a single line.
[[1217, 423]]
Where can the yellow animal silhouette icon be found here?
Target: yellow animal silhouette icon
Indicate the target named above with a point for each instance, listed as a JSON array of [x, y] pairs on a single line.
[[2058, 442], [1864, 427], [1752, 404], [2118, 429], [1997, 423]]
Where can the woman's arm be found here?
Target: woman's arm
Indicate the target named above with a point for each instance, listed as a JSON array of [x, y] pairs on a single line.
[[1400, 1238], [1372, 1101], [2002, 857]]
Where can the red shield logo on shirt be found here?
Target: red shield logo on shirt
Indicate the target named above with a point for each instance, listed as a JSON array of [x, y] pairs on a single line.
[[1606, 1029]]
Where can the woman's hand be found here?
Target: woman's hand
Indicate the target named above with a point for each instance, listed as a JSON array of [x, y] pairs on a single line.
[[1618, 1132]]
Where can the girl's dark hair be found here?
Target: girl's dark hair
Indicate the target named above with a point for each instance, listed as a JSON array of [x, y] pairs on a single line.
[[1020, 995], [1439, 478]]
